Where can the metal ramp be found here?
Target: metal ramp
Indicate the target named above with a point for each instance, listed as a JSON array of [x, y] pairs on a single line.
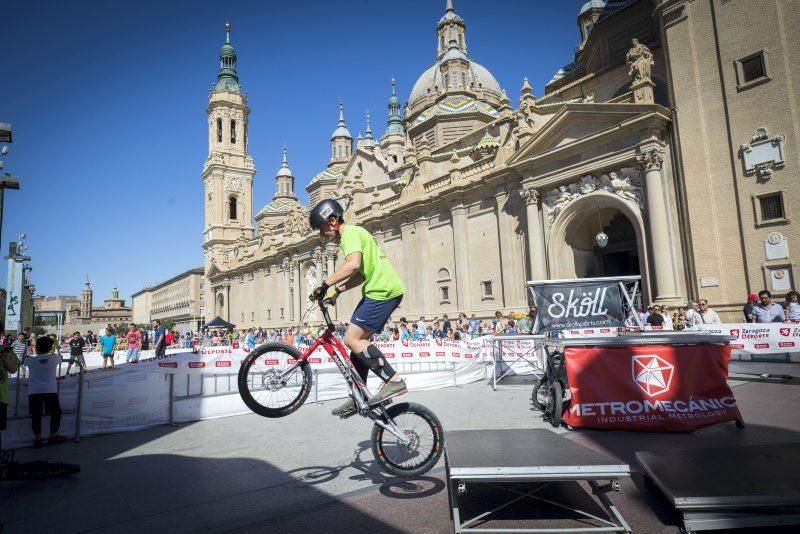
[[730, 487]]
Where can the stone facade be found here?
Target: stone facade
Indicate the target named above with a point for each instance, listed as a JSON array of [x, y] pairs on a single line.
[[646, 137], [179, 299], [82, 313]]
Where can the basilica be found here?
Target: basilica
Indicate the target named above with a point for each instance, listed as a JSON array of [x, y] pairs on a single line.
[[665, 148]]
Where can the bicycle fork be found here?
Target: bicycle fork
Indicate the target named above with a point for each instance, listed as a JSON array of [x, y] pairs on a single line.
[[384, 421]]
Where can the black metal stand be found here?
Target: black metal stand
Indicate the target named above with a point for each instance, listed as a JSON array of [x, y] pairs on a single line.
[[529, 456]]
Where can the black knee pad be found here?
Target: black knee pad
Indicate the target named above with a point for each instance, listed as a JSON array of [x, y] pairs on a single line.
[[376, 361], [361, 368]]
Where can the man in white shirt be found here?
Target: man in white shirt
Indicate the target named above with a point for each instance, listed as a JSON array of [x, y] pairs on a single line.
[[43, 391], [693, 315], [708, 315]]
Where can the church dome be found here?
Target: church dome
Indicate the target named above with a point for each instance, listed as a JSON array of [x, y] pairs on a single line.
[[592, 4], [478, 76], [449, 16]]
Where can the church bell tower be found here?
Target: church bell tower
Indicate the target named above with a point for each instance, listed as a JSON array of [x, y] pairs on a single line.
[[228, 172]]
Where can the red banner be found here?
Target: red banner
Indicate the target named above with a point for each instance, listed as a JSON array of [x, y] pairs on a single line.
[[654, 388]]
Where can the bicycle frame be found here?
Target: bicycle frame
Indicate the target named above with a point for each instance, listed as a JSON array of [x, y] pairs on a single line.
[[358, 388]]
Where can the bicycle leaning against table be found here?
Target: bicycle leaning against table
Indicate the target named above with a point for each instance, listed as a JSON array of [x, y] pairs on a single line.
[[275, 380]]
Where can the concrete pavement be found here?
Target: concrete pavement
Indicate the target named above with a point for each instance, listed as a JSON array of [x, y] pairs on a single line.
[[313, 472]]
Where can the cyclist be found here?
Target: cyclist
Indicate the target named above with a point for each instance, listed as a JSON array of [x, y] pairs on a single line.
[[364, 262]]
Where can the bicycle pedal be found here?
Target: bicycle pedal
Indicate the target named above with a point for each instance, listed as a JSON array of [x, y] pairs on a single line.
[[348, 415]]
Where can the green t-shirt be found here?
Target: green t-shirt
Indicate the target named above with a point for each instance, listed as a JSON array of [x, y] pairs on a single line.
[[380, 279], [4, 377]]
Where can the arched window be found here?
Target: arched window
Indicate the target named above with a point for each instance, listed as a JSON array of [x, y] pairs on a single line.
[[460, 41], [219, 130], [232, 208], [233, 132], [441, 42]]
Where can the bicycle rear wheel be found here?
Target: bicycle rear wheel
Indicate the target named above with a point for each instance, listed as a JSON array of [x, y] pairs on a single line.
[[263, 386], [416, 458]]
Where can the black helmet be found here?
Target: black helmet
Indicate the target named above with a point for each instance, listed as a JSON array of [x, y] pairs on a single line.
[[323, 211]]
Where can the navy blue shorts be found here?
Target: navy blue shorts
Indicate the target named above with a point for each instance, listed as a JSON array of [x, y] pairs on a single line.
[[371, 314]]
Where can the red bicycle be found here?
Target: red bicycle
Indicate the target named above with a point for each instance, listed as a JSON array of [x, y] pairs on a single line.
[[275, 380]]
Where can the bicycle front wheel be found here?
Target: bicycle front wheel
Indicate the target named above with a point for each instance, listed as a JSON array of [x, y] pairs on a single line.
[[425, 441], [265, 385]]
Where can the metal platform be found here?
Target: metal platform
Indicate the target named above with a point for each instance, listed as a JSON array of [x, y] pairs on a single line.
[[529, 456], [730, 487]]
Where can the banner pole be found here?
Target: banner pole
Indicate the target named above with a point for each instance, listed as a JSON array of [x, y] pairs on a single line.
[[171, 399], [80, 403]]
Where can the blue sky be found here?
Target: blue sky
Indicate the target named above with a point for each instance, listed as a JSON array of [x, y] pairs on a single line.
[[107, 102]]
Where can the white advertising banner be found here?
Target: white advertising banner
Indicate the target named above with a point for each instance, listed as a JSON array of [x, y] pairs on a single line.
[[132, 396], [751, 338], [14, 296]]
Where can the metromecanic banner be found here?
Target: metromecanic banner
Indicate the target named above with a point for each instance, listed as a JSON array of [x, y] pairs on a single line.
[[577, 305], [656, 388]]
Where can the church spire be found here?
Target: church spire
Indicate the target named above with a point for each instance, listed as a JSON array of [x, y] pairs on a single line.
[[284, 180], [368, 134], [341, 140], [394, 125], [227, 79]]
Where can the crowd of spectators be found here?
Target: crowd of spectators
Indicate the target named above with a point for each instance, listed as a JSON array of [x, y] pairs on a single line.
[[760, 308], [456, 329]]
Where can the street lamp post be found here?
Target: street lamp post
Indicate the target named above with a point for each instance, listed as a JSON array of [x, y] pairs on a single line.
[[7, 181]]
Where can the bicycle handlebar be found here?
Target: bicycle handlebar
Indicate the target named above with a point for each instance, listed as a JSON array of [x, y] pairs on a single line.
[[323, 305]]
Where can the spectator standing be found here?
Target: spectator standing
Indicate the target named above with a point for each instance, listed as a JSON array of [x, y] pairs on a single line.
[[767, 311], [655, 319], [20, 346], [708, 315], [43, 391], [134, 337], [446, 326], [145, 339], [747, 311], [440, 333], [462, 320], [9, 364], [108, 342], [416, 333], [693, 314], [169, 338], [421, 324], [793, 307], [76, 346], [666, 313], [159, 339], [250, 339], [474, 326], [403, 332], [632, 320], [679, 319]]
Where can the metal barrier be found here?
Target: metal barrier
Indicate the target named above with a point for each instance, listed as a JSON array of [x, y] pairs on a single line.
[[181, 387], [196, 384], [532, 355]]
